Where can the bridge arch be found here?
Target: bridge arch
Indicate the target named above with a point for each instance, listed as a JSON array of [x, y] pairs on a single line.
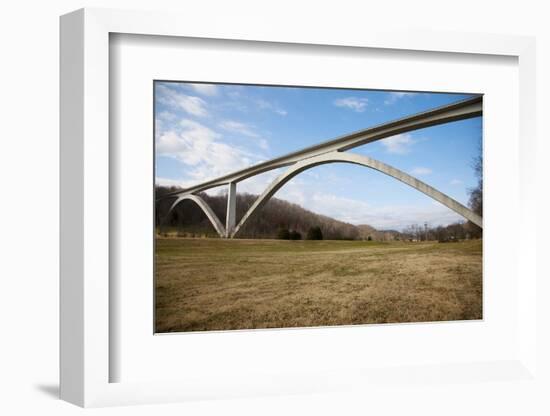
[[212, 217], [336, 157]]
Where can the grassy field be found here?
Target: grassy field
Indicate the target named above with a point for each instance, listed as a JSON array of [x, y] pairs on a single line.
[[214, 284]]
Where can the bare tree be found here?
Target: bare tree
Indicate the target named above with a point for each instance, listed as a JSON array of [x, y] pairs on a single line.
[[476, 196]]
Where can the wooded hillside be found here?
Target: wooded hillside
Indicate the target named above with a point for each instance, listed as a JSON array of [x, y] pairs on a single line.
[[275, 214]]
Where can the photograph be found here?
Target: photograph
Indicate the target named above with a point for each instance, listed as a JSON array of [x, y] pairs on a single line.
[[283, 206]]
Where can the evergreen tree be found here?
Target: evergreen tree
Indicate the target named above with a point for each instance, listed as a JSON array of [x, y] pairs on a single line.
[[314, 233]]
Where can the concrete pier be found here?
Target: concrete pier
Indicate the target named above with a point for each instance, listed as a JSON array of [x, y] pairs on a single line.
[[231, 209]]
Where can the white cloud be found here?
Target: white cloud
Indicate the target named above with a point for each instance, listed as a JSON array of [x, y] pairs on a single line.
[[421, 171], [266, 105], [195, 106], [394, 96], [399, 144], [159, 127], [353, 103], [381, 217], [456, 182], [209, 90], [344, 209], [264, 144], [238, 127], [201, 151], [295, 194], [171, 182], [167, 116], [245, 130], [399, 217], [257, 184]]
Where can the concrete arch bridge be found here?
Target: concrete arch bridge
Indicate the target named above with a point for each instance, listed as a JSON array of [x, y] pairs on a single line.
[[333, 151]]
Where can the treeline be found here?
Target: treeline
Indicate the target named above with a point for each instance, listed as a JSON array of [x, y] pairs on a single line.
[[452, 232], [276, 215], [314, 233], [285, 220]]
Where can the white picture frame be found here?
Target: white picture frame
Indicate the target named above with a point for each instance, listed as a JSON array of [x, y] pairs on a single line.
[[85, 216]]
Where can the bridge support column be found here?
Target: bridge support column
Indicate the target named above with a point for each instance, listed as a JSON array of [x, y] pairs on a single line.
[[231, 209]]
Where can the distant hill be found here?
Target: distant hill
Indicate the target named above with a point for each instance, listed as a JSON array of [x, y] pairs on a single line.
[[366, 231]]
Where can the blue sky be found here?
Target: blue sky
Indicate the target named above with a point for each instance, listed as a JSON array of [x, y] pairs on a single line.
[[203, 131]]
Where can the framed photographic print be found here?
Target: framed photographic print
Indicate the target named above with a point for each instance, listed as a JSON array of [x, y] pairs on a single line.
[[273, 213], [304, 243]]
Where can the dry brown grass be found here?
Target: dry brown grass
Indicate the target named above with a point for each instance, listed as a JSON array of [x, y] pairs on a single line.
[[212, 284]]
